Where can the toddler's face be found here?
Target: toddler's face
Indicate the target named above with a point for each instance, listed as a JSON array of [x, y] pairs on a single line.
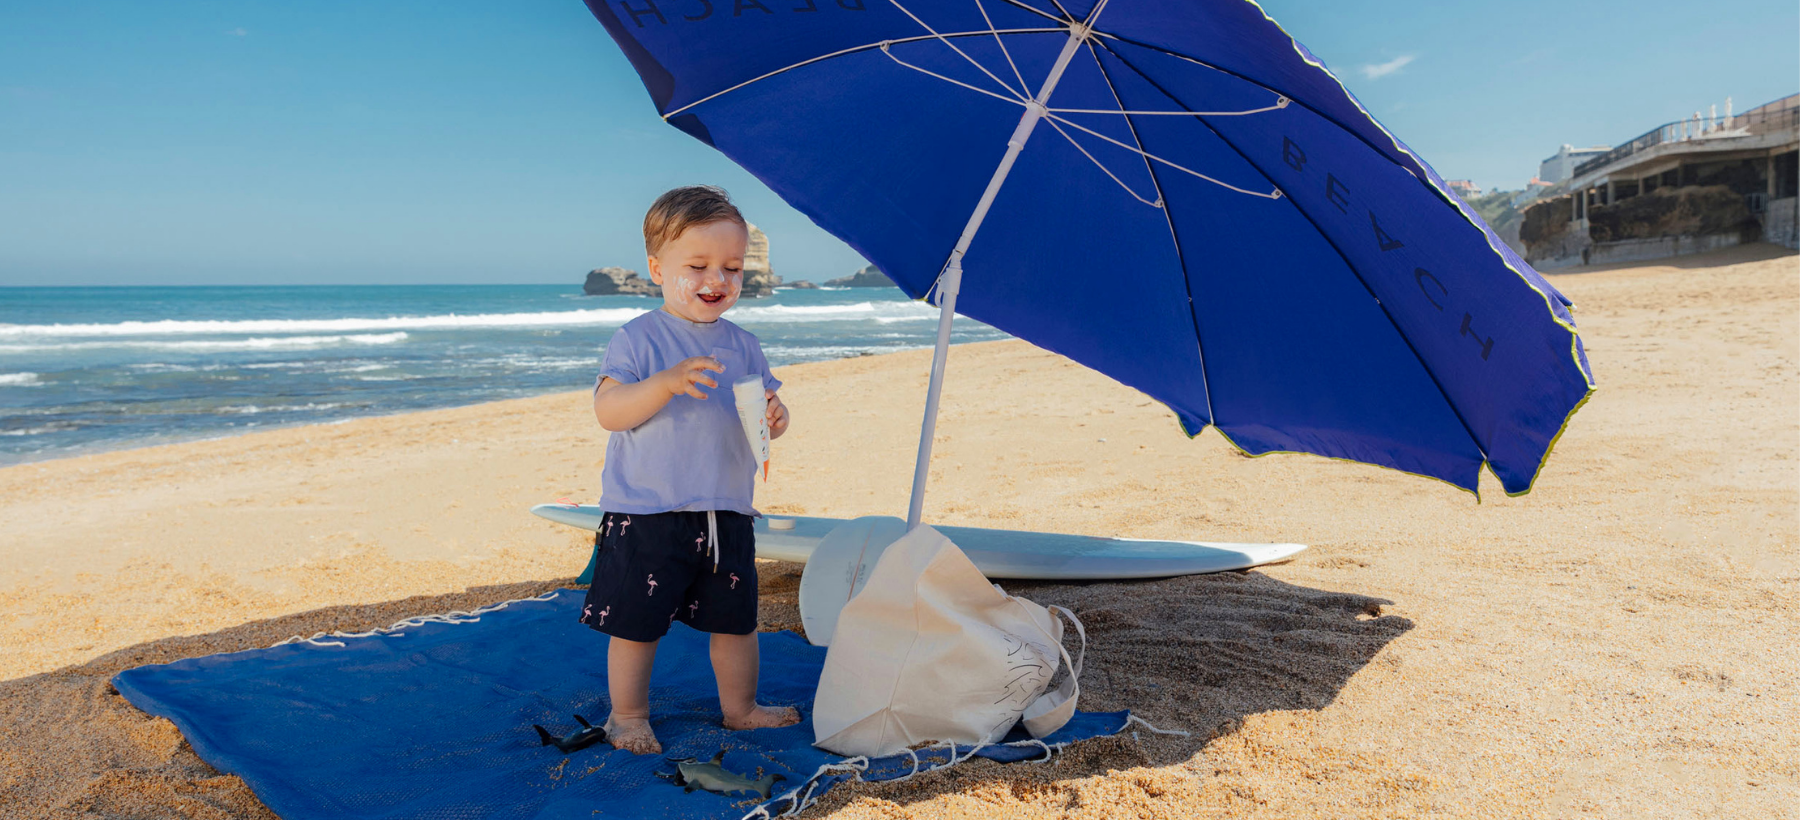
[[702, 270]]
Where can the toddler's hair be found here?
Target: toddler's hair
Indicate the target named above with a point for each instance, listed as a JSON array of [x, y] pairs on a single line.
[[683, 208]]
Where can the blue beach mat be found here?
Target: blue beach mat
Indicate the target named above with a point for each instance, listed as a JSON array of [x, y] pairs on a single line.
[[433, 719]]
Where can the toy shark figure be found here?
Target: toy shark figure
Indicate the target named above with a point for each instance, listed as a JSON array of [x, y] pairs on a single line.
[[690, 774], [588, 736]]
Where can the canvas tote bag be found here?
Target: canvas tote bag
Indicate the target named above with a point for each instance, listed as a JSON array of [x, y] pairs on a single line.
[[929, 650]]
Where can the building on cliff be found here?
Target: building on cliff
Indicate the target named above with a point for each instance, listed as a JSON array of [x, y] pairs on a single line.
[[1561, 166], [1467, 189], [1692, 185]]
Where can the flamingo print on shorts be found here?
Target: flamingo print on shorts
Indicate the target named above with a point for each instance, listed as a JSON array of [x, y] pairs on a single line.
[[652, 579], [700, 542], [605, 612], [693, 608], [587, 613], [734, 580]]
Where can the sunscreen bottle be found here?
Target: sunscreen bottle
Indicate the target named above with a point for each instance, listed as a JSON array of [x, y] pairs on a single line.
[[752, 410]]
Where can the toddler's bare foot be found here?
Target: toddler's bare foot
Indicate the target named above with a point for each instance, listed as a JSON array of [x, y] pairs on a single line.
[[633, 735], [765, 717]]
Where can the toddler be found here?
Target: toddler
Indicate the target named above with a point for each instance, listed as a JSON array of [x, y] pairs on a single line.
[[676, 542]]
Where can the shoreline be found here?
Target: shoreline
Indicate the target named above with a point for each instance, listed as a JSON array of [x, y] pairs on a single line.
[[1600, 647], [124, 373], [127, 445]]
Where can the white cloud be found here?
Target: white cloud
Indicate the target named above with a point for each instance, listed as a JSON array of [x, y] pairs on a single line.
[[237, 32], [1376, 71]]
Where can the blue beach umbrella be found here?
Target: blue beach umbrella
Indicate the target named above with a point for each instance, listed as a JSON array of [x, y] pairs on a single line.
[[1176, 194]]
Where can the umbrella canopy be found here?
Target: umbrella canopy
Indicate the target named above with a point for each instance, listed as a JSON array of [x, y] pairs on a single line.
[[1178, 195]]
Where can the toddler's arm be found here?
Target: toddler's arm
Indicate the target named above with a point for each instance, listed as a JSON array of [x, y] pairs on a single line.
[[620, 407]]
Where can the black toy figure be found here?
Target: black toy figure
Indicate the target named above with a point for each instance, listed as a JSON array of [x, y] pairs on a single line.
[[588, 736]]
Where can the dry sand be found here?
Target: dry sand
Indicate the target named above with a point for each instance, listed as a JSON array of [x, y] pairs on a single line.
[[1619, 643]]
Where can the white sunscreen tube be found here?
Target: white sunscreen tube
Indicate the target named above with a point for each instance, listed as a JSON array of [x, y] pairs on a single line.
[[752, 410]]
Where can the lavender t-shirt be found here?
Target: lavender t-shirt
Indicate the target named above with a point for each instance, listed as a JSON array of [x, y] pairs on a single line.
[[692, 454]]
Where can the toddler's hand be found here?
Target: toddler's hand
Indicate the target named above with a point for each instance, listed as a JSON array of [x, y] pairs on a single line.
[[683, 379], [777, 414]]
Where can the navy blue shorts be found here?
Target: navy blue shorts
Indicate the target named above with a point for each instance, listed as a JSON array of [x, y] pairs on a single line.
[[653, 570]]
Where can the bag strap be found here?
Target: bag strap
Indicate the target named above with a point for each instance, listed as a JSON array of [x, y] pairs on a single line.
[[1052, 709], [1080, 654]]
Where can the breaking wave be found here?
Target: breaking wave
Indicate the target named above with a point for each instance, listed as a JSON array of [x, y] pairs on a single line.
[[255, 343], [452, 321]]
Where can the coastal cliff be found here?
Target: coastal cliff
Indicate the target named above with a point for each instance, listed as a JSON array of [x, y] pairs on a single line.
[[759, 277]]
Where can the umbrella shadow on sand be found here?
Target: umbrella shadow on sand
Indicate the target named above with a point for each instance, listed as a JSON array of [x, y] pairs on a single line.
[[1198, 653]]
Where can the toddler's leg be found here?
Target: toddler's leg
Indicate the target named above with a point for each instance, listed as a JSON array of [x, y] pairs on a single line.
[[628, 681], [735, 660]]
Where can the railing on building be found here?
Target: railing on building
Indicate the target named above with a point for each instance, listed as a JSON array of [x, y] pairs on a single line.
[[1753, 122]]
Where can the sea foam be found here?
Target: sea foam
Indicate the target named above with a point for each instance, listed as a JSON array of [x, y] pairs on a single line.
[[254, 343], [883, 312], [180, 327]]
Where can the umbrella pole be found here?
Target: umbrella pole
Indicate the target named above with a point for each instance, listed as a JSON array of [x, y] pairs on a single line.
[[951, 281]]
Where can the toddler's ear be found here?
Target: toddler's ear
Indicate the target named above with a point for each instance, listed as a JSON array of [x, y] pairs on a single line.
[[654, 265]]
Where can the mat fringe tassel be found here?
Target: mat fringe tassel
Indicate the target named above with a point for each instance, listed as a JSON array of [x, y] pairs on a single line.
[[799, 801], [801, 798], [455, 616], [1130, 719]]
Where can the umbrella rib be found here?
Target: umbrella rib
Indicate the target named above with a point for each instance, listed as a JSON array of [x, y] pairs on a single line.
[[959, 51], [1421, 171], [1275, 194], [1103, 169], [1259, 84], [1280, 103], [928, 72], [1212, 417], [853, 50], [1399, 331], [1002, 44], [1070, 18]]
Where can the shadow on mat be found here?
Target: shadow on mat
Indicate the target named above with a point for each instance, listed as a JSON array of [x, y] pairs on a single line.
[[1198, 653]]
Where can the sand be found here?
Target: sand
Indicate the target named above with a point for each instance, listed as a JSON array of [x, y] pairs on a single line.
[[1619, 643]]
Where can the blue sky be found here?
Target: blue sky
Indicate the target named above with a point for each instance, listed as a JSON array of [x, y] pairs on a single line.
[[347, 141]]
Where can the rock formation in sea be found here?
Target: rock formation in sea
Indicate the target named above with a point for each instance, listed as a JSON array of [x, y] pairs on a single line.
[[869, 277], [759, 278], [800, 284], [618, 281]]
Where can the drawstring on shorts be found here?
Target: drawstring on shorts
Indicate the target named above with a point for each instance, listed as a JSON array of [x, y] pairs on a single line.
[[712, 537]]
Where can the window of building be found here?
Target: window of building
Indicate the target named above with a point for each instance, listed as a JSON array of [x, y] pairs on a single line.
[[1787, 174]]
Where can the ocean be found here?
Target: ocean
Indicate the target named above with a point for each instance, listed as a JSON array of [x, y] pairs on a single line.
[[90, 369]]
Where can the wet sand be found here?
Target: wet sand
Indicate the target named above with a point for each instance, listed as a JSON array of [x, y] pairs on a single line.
[[1618, 643]]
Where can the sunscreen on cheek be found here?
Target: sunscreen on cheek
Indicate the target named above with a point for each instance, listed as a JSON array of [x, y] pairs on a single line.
[[685, 288]]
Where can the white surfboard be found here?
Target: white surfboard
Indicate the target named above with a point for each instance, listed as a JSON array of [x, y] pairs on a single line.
[[1007, 553]]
